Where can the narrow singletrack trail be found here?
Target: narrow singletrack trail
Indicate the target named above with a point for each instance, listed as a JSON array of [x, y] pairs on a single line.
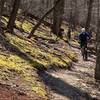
[[77, 84]]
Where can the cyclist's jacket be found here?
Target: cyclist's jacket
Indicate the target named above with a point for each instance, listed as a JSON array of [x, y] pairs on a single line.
[[84, 37]]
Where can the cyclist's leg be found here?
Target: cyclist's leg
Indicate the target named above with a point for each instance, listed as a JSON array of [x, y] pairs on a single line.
[[82, 49], [85, 51]]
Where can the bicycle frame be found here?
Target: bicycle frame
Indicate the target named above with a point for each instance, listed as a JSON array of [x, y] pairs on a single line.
[[84, 52]]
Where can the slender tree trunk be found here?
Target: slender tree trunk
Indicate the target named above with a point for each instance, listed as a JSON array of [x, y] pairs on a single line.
[[2, 2], [57, 16], [76, 15], [13, 15], [88, 21], [97, 69], [0, 16], [25, 14], [71, 15]]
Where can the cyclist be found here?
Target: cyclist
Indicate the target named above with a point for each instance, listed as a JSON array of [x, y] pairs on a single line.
[[83, 40]]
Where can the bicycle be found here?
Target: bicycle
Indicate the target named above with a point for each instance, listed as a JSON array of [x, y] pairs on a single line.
[[84, 52]]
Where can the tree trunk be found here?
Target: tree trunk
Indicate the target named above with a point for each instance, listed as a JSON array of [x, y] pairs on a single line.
[[76, 14], [2, 2], [40, 21], [87, 26], [57, 16], [97, 69], [12, 18]]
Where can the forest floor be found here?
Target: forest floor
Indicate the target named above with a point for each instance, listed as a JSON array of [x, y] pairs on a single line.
[[22, 59], [75, 84]]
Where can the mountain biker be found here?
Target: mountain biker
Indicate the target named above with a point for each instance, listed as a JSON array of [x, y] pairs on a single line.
[[83, 40]]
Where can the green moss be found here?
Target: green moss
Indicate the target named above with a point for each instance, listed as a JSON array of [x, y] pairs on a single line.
[[18, 24], [72, 56], [75, 43], [26, 26], [39, 90], [13, 62], [5, 18], [38, 57]]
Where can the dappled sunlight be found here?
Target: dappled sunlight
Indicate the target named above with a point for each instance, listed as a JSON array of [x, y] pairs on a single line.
[[62, 88], [48, 50], [26, 55]]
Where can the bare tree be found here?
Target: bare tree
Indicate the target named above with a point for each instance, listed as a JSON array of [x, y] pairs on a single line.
[[88, 21], [13, 15], [2, 2], [57, 16], [97, 69]]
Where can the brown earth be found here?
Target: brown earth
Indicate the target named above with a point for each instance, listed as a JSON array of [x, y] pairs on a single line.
[[7, 93], [75, 84]]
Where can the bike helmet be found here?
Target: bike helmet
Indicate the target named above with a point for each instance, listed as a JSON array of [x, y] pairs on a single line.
[[83, 29]]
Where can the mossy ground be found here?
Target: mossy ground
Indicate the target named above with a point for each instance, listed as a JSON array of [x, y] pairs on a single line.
[[23, 56]]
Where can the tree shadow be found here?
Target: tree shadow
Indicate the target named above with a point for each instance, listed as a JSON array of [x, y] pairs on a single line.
[[15, 50], [44, 38], [93, 61], [75, 46], [26, 56], [92, 56], [82, 75], [60, 87], [41, 41]]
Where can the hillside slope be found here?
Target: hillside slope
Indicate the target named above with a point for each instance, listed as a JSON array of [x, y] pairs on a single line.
[[20, 58]]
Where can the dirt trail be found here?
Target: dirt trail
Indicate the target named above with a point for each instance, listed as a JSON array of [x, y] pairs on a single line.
[[77, 84]]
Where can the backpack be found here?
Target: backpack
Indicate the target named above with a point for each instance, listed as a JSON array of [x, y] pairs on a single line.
[[84, 37]]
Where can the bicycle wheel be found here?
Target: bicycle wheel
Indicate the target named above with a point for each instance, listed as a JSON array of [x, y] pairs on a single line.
[[82, 52], [85, 53]]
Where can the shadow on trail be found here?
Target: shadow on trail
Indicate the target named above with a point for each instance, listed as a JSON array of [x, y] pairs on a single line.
[[92, 56], [74, 46], [44, 38], [60, 87], [93, 61]]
